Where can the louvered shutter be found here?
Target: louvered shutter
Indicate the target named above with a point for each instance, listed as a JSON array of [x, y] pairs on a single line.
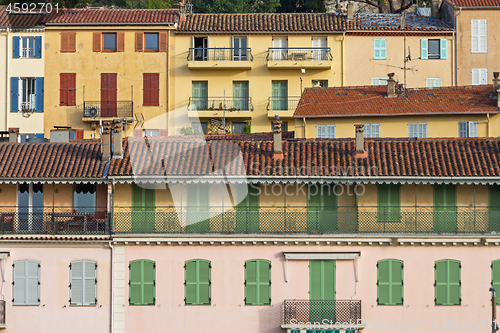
[[444, 48], [39, 88], [412, 131], [454, 282], [315, 279], [251, 288], [19, 290], [135, 282], [155, 89], [482, 31], [376, 48], [440, 282], [422, 129], [483, 76], [149, 282], [64, 42], [190, 282], [197, 275], [32, 283], [331, 131], [146, 89], [383, 283], [473, 129], [71, 42], [423, 49], [76, 283], [321, 131], [462, 129], [257, 282], [396, 282], [474, 35], [120, 41], [38, 47], [139, 37], [163, 42], [71, 81], [383, 48], [89, 283], [15, 47], [375, 131], [14, 94], [97, 42], [495, 276]]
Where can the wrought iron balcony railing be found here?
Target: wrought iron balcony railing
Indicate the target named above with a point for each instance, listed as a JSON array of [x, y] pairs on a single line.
[[104, 109], [219, 54], [334, 311], [299, 54], [308, 220], [282, 103], [221, 103]]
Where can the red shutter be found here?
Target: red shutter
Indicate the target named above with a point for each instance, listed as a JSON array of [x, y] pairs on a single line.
[[97, 42], [64, 42], [71, 89], [146, 89], [139, 36], [163, 42], [63, 88], [79, 134], [120, 41], [71, 41], [155, 89]]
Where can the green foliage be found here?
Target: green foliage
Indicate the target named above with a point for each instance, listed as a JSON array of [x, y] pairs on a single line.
[[247, 129], [235, 6], [302, 6]]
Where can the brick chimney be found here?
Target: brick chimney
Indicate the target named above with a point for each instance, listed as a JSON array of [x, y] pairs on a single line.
[[391, 86], [13, 134], [117, 138], [496, 84], [106, 141], [277, 145], [350, 11], [360, 142]]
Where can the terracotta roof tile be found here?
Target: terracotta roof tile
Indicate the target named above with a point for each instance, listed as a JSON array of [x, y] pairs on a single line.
[[372, 101], [22, 20], [378, 21]]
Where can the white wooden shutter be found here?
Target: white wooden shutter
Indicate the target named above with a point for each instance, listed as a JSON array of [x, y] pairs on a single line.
[[32, 283], [90, 283], [422, 130], [474, 42], [483, 47], [483, 76], [462, 129], [76, 283], [19, 283], [473, 129], [375, 130], [475, 76], [320, 130], [331, 131], [412, 130], [433, 82]]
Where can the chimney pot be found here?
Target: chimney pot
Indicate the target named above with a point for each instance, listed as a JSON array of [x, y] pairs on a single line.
[[350, 11], [496, 85], [391, 86], [277, 137], [118, 138], [13, 134], [403, 21], [106, 141], [360, 139]]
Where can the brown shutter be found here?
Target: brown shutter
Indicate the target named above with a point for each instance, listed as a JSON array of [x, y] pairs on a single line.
[[71, 89], [63, 89], [163, 42], [139, 36], [71, 41], [64, 42], [97, 42], [155, 89], [120, 41], [146, 89]]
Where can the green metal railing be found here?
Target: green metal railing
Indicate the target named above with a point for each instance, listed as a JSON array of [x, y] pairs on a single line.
[[307, 220], [334, 311]]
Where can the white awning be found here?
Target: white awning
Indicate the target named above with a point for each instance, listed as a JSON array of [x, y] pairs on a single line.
[[4, 254], [321, 255]]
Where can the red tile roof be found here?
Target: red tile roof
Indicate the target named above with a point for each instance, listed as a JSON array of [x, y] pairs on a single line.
[[51, 161], [372, 101], [407, 157], [114, 16], [474, 3], [22, 20]]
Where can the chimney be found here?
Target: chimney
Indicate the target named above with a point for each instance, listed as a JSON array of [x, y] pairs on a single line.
[[117, 138], [360, 139], [13, 134], [391, 86], [496, 84], [182, 11], [277, 148], [403, 21], [106, 141], [350, 11]]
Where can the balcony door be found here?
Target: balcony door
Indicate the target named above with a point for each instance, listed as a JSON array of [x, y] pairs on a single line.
[[445, 207], [30, 207], [198, 207], [280, 95], [321, 290], [200, 45], [200, 95], [280, 48], [240, 49], [240, 95], [143, 209], [108, 95], [319, 48]]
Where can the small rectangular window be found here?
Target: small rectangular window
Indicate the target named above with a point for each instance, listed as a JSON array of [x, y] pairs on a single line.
[[479, 76], [151, 132], [379, 81], [467, 129], [151, 41], [320, 83], [417, 130], [109, 41], [433, 82], [379, 48], [239, 127], [434, 49], [27, 47], [325, 131], [371, 131]]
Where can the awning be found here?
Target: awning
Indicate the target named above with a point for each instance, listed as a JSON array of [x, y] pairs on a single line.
[[321, 255]]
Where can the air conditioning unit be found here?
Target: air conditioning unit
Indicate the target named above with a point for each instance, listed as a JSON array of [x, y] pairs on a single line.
[[91, 111]]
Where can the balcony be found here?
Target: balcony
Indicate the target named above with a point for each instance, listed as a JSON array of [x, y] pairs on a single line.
[[307, 58], [93, 111], [283, 107], [213, 107], [324, 313], [220, 58], [54, 220], [309, 220]]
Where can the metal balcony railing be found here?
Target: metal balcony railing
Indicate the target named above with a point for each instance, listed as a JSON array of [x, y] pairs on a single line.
[[104, 109], [299, 54], [308, 220], [334, 311], [282, 103], [219, 54], [54, 220], [221, 103]]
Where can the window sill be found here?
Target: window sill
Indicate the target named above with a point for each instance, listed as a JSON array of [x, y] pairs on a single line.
[[379, 58], [150, 105], [151, 51], [478, 51]]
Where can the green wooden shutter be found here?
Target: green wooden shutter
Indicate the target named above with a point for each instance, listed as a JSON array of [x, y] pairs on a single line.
[[396, 282], [494, 208], [454, 282], [280, 95], [190, 282], [148, 282], [445, 211], [251, 289], [198, 207], [197, 282], [444, 48], [76, 283], [495, 276], [321, 208], [383, 283], [143, 209], [204, 282], [390, 282], [247, 211], [200, 94], [321, 290], [257, 282], [389, 202], [135, 282], [424, 49], [264, 282], [441, 282], [142, 282], [447, 282]]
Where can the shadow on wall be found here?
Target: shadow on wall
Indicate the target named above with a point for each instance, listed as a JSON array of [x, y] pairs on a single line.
[[270, 319]]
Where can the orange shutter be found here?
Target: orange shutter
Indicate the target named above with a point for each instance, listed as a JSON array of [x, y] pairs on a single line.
[[71, 41], [63, 88], [97, 42], [139, 36], [71, 84], [155, 89], [163, 42], [64, 42], [120, 41]]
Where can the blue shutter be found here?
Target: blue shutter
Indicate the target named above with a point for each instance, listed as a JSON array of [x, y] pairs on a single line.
[[40, 135], [383, 48], [444, 48], [15, 47], [14, 94], [423, 48], [38, 47], [39, 94]]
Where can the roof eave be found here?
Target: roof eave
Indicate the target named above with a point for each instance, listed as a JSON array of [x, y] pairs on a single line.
[[16, 180], [110, 24]]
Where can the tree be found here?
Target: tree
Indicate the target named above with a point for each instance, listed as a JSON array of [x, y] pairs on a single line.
[[302, 6], [235, 6], [388, 6]]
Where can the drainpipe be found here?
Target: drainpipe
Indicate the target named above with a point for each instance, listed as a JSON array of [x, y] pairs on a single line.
[[111, 306], [488, 128], [305, 126], [343, 58], [6, 79], [456, 46]]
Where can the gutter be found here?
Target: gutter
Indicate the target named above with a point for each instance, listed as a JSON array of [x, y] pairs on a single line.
[[110, 24], [398, 114], [456, 47], [53, 180]]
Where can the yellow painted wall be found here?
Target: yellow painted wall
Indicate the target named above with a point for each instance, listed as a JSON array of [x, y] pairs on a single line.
[[220, 81], [397, 127], [468, 60], [88, 65], [8, 195], [361, 67]]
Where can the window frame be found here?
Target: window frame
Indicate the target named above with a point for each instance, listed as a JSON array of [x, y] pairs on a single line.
[[146, 41], [25, 302], [468, 133], [30, 50], [142, 283], [368, 134], [116, 43], [197, 284], [447, 283], [249, 281], [437, 55], [418, 130], [22, 87], [83, 277], [390, 283], [328, 131], [381, 55]]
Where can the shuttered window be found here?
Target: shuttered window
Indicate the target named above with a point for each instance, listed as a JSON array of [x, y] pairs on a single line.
[[467, 129], [390, 282], [197, 282], [389, 202], [26, 282], [151, 89], [83, 283], [120, 41], [96, 47], [447, 282], [163, 42], [495, 276], [433, 82], [494, 208], [379, 48], [479, 42], [68, 89], [433, 49], [379, 81], [142, 282], [139, 40], [321, 208], [68, 41], [479, 76], [371, 131], [445, 207], [321, 288], [257, 282], [417, 130], [325, 131]]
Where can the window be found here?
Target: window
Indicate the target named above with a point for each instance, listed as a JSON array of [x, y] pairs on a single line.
[[371, 131], [151, 41], [417, 130], [390, 282], [280, 48], [447, 284], [84, 198], [197, 282], [30, 206], [200, 95], [83, 282], [319, 48], [322, 83], [279, 95], [467, 129], [257, 282], [239, 127], [247, 211], [495, 276], [26, 281], [379, 48], [494, 208], [240, 95], [479, 43], [389, 203], [67, 89], [325, 131], [151, 89], [433, 49], [240, 48], [200, 45], [142, 282], [143, 209], [26, 94], [379, 81], [26, 137], [68, 41], [109, 92], [321, 208], [26, 47], [321, 288], [197, 207], [445, 207], [109, 42], [433, 82], [200, 128], [151, 132], [479, 76]]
